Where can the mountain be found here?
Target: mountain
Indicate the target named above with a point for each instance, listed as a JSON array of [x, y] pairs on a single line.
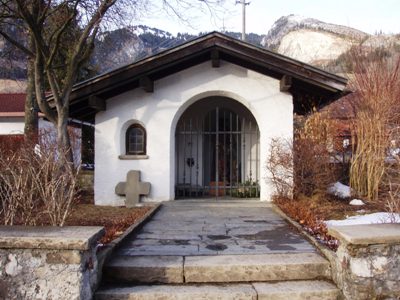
[[113, 49], [310, 40], [322, 44], [306, 39], [12, 60], [126, 45]]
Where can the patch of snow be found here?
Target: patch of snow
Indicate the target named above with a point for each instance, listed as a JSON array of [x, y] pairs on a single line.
[[340, 190], [394, 151], [390, 160], [356, 202], [290, 23], [297, 19], [375, 218]]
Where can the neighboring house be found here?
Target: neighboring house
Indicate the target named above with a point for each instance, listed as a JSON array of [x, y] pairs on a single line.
[[341, 118], [12, 113], [342, 113], [12, 122], [197, 120]]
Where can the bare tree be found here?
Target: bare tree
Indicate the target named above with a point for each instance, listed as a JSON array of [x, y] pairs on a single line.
[[62, 35], [47, 24]]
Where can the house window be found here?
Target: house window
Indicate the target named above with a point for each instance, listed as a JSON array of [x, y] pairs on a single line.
[[136, 140]]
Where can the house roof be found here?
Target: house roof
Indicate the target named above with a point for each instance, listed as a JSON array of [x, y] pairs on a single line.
[[310, 86], [12, 105], [343, 109]]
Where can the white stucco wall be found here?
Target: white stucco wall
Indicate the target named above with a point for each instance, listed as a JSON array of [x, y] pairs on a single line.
[[12, 125], [15, 125], [49, 135], [159, 113]]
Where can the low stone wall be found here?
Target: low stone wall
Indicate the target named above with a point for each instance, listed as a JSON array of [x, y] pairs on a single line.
[[48, 262], [367, 262]]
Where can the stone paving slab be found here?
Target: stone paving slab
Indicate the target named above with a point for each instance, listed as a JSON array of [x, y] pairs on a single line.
[[156, 250], [207, 228], [170, 235]]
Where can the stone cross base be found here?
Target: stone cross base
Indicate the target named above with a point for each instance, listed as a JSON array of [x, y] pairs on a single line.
[[132, 188]]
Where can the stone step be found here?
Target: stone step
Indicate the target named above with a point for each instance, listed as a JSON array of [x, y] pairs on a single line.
[[217, 269], [294, 290], [144, 269]]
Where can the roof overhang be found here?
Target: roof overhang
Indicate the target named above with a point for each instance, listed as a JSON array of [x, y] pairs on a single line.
[[311, 87]]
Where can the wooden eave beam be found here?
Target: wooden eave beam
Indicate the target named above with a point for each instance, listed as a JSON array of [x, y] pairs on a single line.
[[285, 83], [86, 116], [125, 75], [146, 84], [215, 60], [97, 103], [315, 77], [143, 73]]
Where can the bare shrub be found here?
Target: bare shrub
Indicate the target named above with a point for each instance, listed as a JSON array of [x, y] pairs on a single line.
[[393, 200], [313, 172], [313, 166], [391, 182], [37, 185], [299, 168], [280, 167], [56, 181], [303, 166], [376, 85], [18, 191]]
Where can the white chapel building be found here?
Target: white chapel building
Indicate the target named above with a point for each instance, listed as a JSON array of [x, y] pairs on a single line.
[[197, 120]]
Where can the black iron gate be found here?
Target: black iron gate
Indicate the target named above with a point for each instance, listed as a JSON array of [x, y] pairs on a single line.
[[217, 155]]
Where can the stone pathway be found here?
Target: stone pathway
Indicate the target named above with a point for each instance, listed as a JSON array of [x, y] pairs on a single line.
[[217, 250], [198, 227]]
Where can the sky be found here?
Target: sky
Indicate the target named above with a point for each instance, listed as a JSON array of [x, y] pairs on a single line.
[[370, 16]]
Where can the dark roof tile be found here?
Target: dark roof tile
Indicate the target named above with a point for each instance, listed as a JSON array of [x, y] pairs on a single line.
[[12, 103]]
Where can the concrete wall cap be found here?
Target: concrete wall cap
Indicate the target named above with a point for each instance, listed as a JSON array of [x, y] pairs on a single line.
[[47, 237], [367, 234]]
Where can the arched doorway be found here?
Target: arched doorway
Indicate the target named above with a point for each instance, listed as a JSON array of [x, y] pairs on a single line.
[[217, 151]]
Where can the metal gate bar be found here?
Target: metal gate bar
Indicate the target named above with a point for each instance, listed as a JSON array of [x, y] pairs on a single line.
[[226, 147]]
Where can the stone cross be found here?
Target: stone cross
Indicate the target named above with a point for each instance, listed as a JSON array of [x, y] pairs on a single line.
[[132, 188]]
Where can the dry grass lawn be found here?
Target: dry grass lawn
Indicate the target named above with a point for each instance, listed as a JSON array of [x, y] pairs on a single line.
[[310, 212], [115, 219]]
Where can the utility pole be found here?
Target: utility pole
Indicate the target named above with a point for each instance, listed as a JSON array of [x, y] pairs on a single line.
[[223, 25], [244, 3]]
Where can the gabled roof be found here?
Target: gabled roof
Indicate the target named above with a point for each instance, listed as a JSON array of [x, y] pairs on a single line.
[[12, 105], [310, 86]]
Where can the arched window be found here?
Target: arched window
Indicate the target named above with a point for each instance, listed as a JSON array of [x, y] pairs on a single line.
[[135, 140]]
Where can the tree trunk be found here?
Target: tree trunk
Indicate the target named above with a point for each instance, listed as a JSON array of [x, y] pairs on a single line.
[[31, 129], [63, 140]]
